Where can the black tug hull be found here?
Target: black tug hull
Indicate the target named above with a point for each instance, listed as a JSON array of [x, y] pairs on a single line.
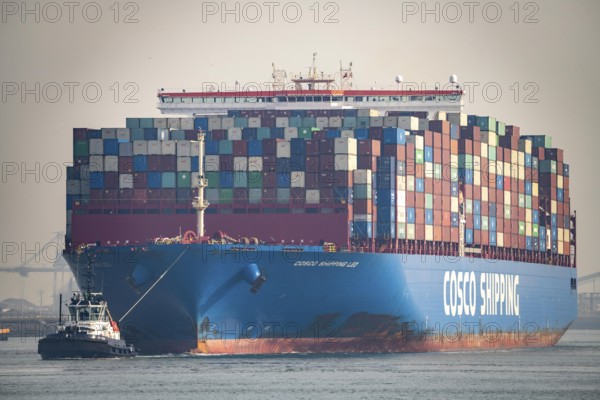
[[55, 347]]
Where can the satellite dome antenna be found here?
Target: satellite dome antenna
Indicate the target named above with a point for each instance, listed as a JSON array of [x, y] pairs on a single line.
[[399, 80], [454, 80]]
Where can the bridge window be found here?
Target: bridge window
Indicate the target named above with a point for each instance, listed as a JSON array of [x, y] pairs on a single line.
[[336, 98], [349, 98], [326, 98], [318, 98], [373, 98], [282, 99], [167, 99], [358, 98], [197, 100]]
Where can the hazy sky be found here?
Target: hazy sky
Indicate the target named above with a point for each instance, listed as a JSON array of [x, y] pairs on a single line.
[[94, 64]]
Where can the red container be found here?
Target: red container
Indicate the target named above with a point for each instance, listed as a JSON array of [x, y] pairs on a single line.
[[311, 180], [269, 163], [312, 147], [140, 180], [446, 234], [269, 179], [465, 146], [437, 155], [269, 196], [437, 140], [96, 196], [376, 133], [326, 146], [369, 147], [80, 134], [326, 179], [512, 130], [343, 179], [420, 214], [168, 163], [437, 190], [420, 232], [326, 162], [437, 233], [319, 135], [226, 163], [367, 162], [110, 197], [269, 147], [240, 196], [326, 195], [363, 206], [312, 164], [410, 199], [125, 196], [111, 180], [153, 163], [240, 148], [125, 165], [428, 185], [218, 134]]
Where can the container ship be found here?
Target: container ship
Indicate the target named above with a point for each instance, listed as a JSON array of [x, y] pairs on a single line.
[[316, 217]]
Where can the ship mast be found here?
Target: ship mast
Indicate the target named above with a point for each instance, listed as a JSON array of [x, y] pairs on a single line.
[[199, 203]]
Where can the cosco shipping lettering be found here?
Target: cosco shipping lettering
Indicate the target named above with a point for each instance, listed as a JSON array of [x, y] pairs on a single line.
[[317, 217]]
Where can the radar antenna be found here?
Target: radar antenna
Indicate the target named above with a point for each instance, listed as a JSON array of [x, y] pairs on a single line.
[[346, 81], [279, 77]]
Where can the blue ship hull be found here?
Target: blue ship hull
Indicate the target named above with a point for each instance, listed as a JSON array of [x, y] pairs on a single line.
[[212, 299]]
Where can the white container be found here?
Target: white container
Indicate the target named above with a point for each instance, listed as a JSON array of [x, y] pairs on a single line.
[[234, 133], [227, 122], [255, 164], [410, 231], [416, 140], [187, 124], [73, 187], [365, 112], [123, 134], [457, 118], [184, 148], [160, 122], [168, 147], [163, 134], [440, 116], [125, 149], [211, 163], [345, 146], [214, 123], [322, 122], [297, 179], [313, 196], [390, 122], [240, 164], [173, 123], [423, 124], [363, 217], [429, 232], [283, 149], [109, 133], [401, 214], [96, 146], [347, 133], [363, 177], [111, 163], [290, 133], [140, 147], [335, 122], [345, 162], [408, 123], [376, 122], [96, 163], [125, 181], [282, 122], [184, 164], [254, 122], [400, 198], [154, 147]]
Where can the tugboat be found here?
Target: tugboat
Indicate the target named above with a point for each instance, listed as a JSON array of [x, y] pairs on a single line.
[[88, 332]]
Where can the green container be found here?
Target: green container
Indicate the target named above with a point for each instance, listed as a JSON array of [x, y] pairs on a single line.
[[540, 140], [283, 195], [485, 223], [453, 174], [295, 122], [81, 148], [240, 122], [500, 128], [240, 179], [360, 122], [137, 134], [362, 192], [255, 180], [177, 135], [469, 206], [225, 147], [521, 228], [492, 153], [437, 171], [168, 180], [213, 179], [506, 212], [521, 200], [527, 201], [212, 195], [419, 156], [132, 123], [263, 133], [308, 122], [535, 230], [429, 200], [146, 123], [254, 196], [305, 133], [184, 179], [486, 123], [225, 196], [401, 230], [548, 166]]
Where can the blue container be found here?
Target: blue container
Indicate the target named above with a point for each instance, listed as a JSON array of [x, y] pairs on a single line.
[[454, 131], [94, 134], [297, 113], [477, 222], [150, 134], [132, 123], [499, 182], [234, 113], [140, 163], [361, 133], [211, 147], [386, 230], [201, 123], [146, 122], [295, 122], [454, 219], [194, 164], [277, 133], [298, 163], [535, 217], [554, 219], [386, 214], [168, 180], [298, 146], [428, 217], [343, 195], [428, 154], [154, 180], [528, 187], [385, 198], [566, 170], [249, 133], [282, 165], [240, 122], [255, 148], [477, 207], [492, 207], [350, 112], [469, 236], [469, 176], [528, 243], [177, 135], [284, 180], [226, 180], [554, 233], [454, 189], [96, 180], [419, 184], [528, 160], [472, 120], [492, 223], [332, 134], [362, 229], [111, 147], [394, 136], [560, 195], [410, 215], [493, 238]]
